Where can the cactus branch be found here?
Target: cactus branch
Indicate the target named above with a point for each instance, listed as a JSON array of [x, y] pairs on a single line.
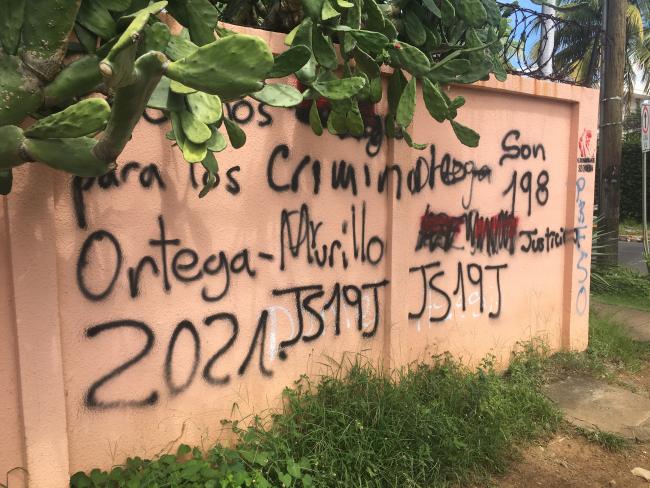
[[46, 29], [128, 105], [78, 78]]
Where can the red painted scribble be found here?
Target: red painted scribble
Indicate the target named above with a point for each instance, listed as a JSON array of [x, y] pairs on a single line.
[[483, 234], [584, 144]]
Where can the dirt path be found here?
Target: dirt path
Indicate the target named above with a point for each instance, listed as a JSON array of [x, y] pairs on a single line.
[[569, 460]]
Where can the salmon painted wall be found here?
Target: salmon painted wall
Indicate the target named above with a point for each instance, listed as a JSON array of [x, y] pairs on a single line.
[[136, 316]]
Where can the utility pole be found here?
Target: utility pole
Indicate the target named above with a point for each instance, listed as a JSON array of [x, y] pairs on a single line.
[[611, 128], [548, 43]]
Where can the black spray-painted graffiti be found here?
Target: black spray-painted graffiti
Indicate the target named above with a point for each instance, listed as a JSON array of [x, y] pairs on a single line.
[[308, 239]]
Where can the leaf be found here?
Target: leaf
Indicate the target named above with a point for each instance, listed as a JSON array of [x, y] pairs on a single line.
[[202, 17], [212, 167], [289, 61], [85, 117], [195, 130], [406, 107], [11, 23], [207, 108], [217, 142], [466, 135], [364, 62], [448, 71], [314, 119], [339, 89], [414, 28], [409, 141], [229, 67], [96, 18], [116, 5], [313, 8], [236, 135], [194, 153], [324, 50], [370, 41], [472, 12], [6, 180], [433, 8], [303, 37], [396, 85], [412, 59], [177, 87], [183, 449], [328, 11], [179, 48], [354, 121], [278, 95], [434, 101], [344, 4]]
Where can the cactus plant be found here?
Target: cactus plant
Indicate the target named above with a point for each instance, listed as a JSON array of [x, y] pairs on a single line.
[[126, 58]]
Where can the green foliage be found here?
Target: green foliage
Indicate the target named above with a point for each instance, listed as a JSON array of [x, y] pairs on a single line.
[[631, 179], [610, 350], [437, 424], [606, 440], [126, 52]]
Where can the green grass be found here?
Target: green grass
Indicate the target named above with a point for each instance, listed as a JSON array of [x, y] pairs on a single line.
[[433, 425], [621, 286], [607, 440], [610, 351]]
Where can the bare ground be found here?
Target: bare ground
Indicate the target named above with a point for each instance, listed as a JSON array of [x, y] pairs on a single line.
[[570, 460]]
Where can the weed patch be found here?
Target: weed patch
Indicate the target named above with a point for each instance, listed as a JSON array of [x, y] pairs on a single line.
[[606, 440], [437, 424], [610, 350]]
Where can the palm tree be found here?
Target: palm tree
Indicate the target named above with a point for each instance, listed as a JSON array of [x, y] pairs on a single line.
[[579, 42]]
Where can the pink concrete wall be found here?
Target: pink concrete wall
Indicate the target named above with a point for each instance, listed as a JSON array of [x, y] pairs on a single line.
[[140, 315]]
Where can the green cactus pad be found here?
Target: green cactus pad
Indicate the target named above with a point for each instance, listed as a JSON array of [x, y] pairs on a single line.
[[434, 101], [179, 48], [11, 22], [194, 153], [340, 89], [6, 181], [212, 167], [472, 12], [195, 130], [217, 142], [278, 95], [236, 135], [45, 32], [289, 61], [467, 136], [324, 50], [303, 37], [77, 79], [74, 156], [414, 28], [447, 72], [95, 17], [11, 139], [412, 59], [230, 67], [370, 41], [20, 94], [83, 118], [206, 108], [156, 37], [314, 119], [411, 143], [353, 121], [177, 87], [152, 9], [396, 84], [406, 106]]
